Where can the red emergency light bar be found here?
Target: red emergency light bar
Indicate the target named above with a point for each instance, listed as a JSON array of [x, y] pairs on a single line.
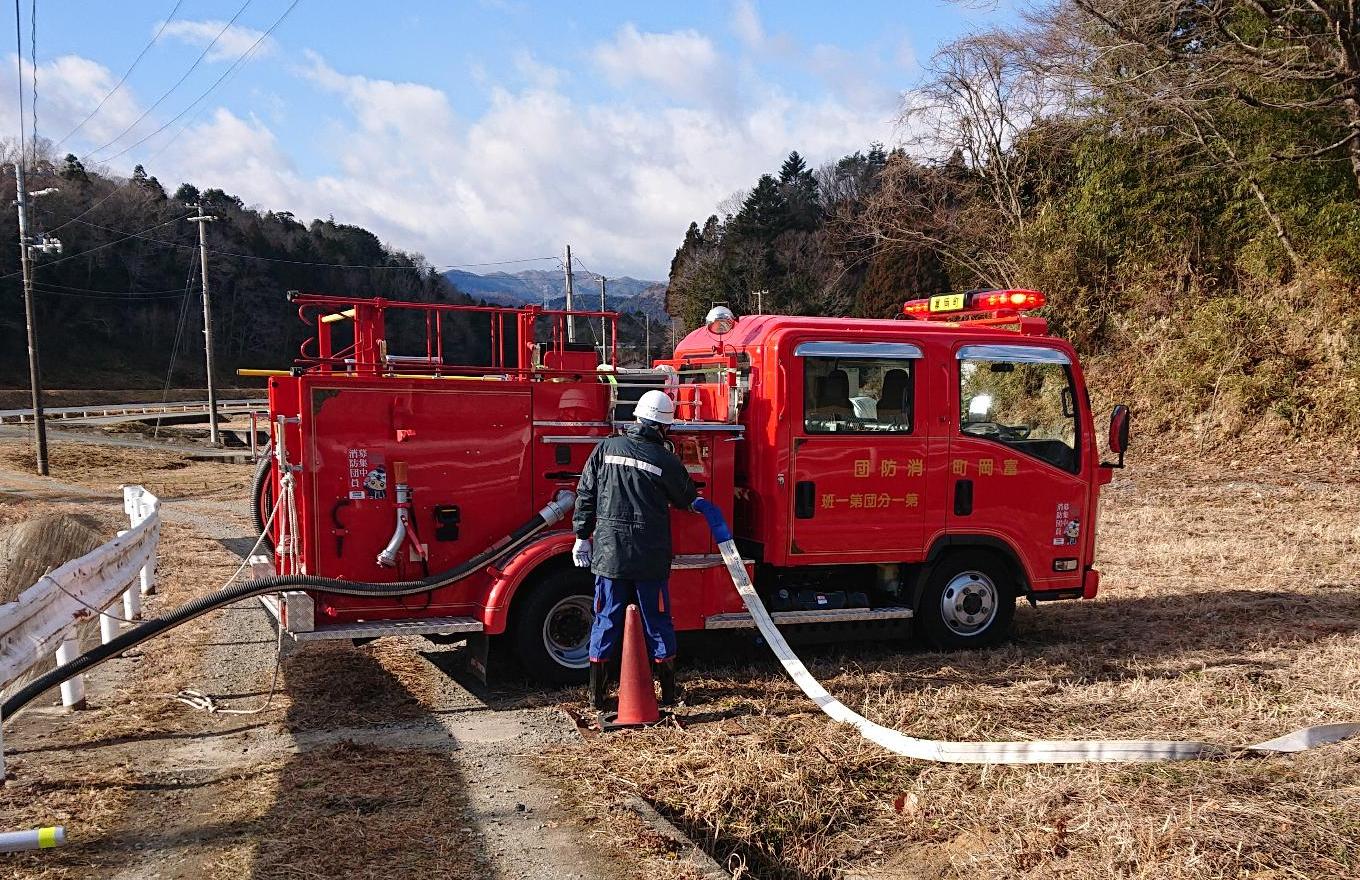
[[974, 305]]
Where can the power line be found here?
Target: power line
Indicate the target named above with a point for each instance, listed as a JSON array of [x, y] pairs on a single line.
[[19, 48], [126, 74], [105, 245], [102, 290], [222, 253], [178, 82], [41, 288], [235, 64], [33, 57]]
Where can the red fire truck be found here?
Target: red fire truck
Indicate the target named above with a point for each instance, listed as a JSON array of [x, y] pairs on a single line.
[[927, 471]]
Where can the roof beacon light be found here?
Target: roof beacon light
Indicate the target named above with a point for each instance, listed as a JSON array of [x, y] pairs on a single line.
[[973, 305]]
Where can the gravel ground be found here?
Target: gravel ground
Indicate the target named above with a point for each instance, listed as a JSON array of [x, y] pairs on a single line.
[[364, 762]]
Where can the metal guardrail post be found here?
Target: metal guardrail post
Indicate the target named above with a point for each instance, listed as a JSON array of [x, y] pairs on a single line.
[[73, 689], [137, 509]]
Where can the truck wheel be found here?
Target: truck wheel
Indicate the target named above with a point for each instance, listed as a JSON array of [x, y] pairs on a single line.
[[262, 496], [968, 602], [551, 633]]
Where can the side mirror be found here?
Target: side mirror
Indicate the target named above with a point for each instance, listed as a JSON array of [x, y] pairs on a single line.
[[1119, 434]]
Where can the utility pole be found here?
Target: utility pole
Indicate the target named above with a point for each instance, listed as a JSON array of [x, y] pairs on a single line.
[[571, 320], [201, 219], [34, 369], [647, 328], [603, 307], [760, 301]]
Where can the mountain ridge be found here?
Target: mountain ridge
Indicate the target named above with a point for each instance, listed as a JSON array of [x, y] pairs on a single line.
[[548, 287]]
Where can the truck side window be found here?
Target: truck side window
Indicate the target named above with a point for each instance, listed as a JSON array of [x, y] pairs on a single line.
[[1026, 406], [857, 395]]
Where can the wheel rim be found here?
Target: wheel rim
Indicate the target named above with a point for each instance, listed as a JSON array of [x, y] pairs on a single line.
[[566, 632], [969, 603]]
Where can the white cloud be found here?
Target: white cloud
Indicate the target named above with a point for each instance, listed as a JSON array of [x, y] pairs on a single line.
[[618, 180], [748, 27], [619, 176], [684, 64], [746, 23], [69, 87], [234, 42]]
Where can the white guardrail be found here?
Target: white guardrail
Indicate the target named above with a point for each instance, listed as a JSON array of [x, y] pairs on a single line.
[[43, 621]]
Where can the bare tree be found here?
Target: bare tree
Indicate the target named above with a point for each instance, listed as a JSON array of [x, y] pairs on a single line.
[[981, 94], [1193, 70], [936, 209], [1287, 55]]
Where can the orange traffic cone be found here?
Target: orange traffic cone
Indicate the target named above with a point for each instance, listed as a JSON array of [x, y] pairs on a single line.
[[637, 697]]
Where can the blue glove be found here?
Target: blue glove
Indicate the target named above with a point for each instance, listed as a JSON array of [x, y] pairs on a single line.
[[716, 524], [581, 552]]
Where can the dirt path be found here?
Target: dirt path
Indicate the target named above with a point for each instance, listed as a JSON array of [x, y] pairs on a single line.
[[367, 762]]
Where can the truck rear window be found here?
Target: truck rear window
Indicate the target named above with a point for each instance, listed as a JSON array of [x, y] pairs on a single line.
[[857, 395]]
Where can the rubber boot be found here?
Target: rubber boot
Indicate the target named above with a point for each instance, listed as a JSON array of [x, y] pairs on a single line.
[[665, 673], [599, 684]]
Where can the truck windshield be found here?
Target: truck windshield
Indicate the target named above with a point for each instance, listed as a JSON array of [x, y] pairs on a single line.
[[857, 395], [1027, 406]]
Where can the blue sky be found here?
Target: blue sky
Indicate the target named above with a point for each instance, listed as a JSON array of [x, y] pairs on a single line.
[[490, 130]]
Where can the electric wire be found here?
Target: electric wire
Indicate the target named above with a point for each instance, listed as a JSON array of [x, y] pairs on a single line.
[[169, 91], [628, 315], [174, 348], [101, 247], [33, 57], [120, 294], [19, 53], [221, 253], [106, 297], [140, 55], [235, 64]]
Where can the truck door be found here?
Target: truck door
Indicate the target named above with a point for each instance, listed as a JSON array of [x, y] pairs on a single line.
[[1015, 466], [859, 451]]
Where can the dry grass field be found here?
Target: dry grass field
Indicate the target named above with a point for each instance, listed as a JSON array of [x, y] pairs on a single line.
[[1229, 612]]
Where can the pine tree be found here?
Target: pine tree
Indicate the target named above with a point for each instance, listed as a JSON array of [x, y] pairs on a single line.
[[73, 169]]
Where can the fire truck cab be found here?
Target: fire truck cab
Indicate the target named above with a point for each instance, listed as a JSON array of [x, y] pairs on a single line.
[[927, 471]]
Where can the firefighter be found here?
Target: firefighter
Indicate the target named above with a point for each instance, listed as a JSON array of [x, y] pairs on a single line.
[[623, 535]]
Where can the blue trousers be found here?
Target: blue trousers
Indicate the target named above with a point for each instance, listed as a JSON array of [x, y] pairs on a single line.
[[612, 598]]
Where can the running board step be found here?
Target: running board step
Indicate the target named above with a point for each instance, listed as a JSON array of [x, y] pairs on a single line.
[[742, 620], [421, 626]]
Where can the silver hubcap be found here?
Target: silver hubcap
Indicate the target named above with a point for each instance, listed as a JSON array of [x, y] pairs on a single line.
[[566, 631], [969, 602]]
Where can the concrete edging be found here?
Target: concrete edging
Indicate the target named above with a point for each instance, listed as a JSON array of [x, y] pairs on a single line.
[[691, 852]]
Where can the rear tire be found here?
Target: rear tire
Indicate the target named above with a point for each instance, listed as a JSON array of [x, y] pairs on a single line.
[[262, 496], [968, 602], [550, 635]]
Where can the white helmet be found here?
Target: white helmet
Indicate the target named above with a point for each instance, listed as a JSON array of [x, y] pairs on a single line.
[[655, 406]]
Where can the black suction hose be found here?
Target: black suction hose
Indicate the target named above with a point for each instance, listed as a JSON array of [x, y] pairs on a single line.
[[226, 596]]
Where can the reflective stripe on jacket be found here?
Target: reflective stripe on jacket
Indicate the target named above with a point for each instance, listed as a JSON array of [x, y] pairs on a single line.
[[623, 499]]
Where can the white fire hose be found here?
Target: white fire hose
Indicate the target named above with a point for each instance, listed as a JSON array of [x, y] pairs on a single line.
[[1041, 751]]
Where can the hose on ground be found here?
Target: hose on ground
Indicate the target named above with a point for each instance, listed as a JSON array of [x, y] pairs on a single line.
[[194, 608], [1030, 752]]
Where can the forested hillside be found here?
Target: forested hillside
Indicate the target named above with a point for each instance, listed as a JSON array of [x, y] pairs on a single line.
[[1181, 179], [122, 300]]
